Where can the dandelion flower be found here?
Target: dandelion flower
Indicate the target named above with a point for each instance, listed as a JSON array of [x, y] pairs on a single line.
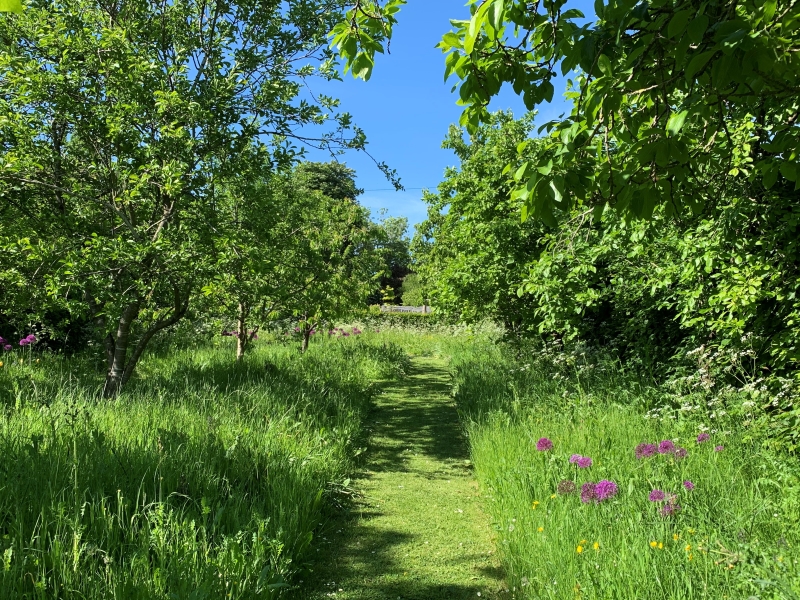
[[579, 549], [553, 496], [540, 530], [657, 496], [535, 504], [654, 544], [688, 547], [676, 537], [703, 437], [688, 485], [596, 546], [544, 444], [660, 545]]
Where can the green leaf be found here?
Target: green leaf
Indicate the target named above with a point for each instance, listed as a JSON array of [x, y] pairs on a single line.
[[677, 23], [676, 121], [14, 6], [496, 14], [770, 7], [697, 63], [697, 29], [605, 65]]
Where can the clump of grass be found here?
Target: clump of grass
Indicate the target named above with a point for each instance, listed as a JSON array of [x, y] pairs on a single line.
[[657, 512], [206, 478]]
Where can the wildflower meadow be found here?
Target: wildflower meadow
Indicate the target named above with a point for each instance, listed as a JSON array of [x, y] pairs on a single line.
[[593, 497]]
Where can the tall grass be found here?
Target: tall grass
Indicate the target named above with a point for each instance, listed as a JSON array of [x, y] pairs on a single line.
[[735, 535], [205, 479]]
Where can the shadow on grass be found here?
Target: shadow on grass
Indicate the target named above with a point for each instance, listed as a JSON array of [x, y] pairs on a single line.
[[357, 560]]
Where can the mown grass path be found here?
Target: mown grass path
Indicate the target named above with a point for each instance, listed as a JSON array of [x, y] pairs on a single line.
[[417, 531]]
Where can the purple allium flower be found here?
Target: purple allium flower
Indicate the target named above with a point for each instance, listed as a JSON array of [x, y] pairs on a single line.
[[645, 450], [566, 487], [31, 338], [2, 341], [719, 448], [7, 347], [573, 460], [703, 437], [666, 447], [584, 462], [544, 444], [588, 492], [688, 485], [670, 509], [657, 496], [605, 489], [681, 453], [24, 342]]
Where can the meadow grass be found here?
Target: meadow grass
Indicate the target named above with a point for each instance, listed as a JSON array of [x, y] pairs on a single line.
[[204, 479], [735, 535]]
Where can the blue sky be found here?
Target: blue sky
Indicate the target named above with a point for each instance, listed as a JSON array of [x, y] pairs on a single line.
[[406, 108]]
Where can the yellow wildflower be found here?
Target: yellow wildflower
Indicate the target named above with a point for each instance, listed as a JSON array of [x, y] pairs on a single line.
[[1, 363], [553, 496], [579, 549], [535, 504], [660, 545], [688, 547], [690, 556], [596, 545], [540, 530], [582, 542], [676, 537], [653, 544]]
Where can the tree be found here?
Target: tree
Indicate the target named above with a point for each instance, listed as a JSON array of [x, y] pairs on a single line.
[[670, 99], [472, 253], [119, 123], [394, 247]]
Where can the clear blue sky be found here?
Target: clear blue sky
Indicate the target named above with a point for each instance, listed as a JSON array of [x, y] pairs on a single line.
[[406, 108]]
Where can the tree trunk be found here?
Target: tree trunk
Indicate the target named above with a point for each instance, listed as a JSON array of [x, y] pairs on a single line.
[[306, 338], [116, 368], [241, 333]]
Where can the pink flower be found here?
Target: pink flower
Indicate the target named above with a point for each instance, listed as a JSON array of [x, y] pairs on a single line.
[[688, 485], [657, 496], [584, 462], [719, 448], [666, 447], [703, 437], [544, 444], [573, 460]]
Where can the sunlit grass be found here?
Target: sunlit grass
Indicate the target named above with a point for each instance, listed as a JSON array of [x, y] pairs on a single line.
[[204, 479], [734, 535]]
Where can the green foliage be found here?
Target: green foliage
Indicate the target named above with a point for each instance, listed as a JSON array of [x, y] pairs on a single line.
[[122, 128], [472, 252], [413, 293], [206, 478], [672, 101], [734, 539], [365, 31]]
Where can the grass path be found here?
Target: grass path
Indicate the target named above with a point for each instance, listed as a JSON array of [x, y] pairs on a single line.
[[417, 532]]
